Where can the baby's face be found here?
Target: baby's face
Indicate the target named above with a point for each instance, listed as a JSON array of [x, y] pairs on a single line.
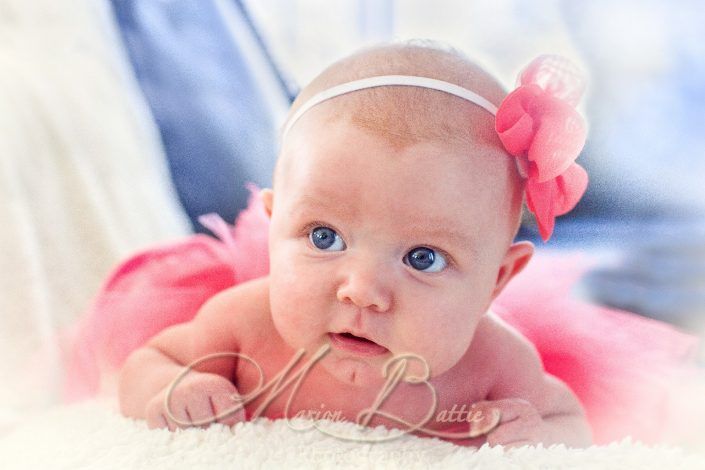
[[400, 245]]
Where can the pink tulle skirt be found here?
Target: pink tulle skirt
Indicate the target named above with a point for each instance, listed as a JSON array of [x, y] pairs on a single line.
[[634, 376]]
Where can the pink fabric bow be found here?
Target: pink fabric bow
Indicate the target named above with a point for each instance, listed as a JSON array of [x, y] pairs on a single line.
[[539, 125]]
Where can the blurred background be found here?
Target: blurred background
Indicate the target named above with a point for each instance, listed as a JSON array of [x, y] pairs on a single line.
[[122, 121]]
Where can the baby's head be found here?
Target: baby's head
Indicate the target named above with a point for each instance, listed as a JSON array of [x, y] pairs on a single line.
[[393, 214], [406, 116]]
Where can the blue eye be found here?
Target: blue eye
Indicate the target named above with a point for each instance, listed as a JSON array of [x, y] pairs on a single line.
[[426, 260], [325, 238]]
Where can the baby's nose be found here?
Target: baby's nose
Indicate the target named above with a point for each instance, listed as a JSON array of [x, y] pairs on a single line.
[[366, 285]]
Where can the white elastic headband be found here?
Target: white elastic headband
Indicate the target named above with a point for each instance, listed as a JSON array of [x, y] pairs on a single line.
[[384, 80]]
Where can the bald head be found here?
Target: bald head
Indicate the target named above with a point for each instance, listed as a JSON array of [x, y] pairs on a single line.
[[408, 115]]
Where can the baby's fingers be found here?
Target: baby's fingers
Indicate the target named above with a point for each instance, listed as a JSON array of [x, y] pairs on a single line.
[[226, 408], [156, 421], [484, 419], [158, 417], [520, 422], [515, 434], [510, 409], [208, 398], [199, 400]]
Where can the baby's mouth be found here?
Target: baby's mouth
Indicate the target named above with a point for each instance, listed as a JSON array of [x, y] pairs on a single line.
[[356, 344]]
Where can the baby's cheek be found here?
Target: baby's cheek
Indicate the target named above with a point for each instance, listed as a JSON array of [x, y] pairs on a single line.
[[288, 285], [296, 308], [444, 343], [448, 355]]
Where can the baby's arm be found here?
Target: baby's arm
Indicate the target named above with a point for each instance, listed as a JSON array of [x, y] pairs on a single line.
[[535, 406], [205, 391]]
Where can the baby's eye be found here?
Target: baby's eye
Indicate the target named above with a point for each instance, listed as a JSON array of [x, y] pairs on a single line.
[[426, 260], [325, 238]]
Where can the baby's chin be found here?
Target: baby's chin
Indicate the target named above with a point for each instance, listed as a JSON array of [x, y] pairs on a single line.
[[373, 373], [353, 372]]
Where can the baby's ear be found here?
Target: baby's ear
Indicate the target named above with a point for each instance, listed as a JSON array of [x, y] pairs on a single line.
[[267, 197], [516, 258]]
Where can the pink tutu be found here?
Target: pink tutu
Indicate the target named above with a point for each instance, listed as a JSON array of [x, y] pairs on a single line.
[[634, 376]]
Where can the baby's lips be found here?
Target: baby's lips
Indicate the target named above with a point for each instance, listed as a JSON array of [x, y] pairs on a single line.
[[490, 420]]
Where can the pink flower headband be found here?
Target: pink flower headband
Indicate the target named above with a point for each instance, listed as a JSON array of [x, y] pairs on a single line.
[[537, 123]]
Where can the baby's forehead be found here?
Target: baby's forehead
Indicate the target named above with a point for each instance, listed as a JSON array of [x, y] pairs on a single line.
[[348, 157], [452, 142], [407, 113]]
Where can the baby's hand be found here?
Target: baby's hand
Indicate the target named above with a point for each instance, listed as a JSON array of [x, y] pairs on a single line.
[[197, 399], [519, 423]]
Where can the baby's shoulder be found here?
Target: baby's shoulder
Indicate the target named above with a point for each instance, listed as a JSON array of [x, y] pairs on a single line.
[[476, 372], [245, 305], [502, 337], [494, 343], [511, 360], [493, 330]]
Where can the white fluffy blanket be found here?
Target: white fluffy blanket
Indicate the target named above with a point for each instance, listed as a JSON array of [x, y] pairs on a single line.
[[93, 435]]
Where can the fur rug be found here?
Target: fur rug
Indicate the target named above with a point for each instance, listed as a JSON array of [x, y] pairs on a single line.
[[93, 434]]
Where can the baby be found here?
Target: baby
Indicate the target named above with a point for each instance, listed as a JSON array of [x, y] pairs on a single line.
[[392, 218]]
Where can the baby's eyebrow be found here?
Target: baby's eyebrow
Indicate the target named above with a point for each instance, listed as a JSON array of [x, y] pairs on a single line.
[[437, 232], [320, 201]]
